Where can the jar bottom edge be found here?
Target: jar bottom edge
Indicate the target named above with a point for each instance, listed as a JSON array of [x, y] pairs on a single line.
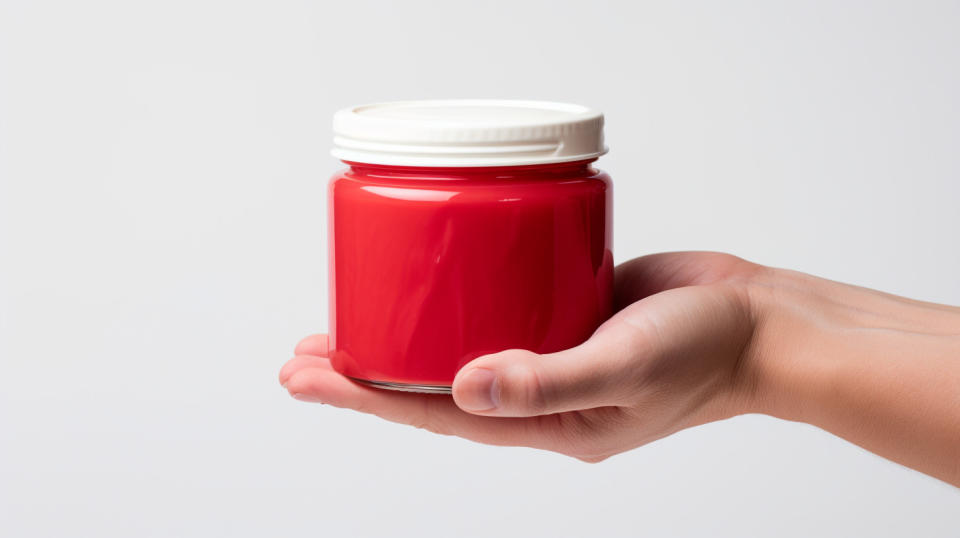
[[405, 387]]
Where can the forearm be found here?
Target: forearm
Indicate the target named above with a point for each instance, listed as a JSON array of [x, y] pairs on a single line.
[[878, 370]]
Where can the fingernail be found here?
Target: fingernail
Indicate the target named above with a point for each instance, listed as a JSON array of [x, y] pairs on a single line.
[[306, 398], [480, 390]]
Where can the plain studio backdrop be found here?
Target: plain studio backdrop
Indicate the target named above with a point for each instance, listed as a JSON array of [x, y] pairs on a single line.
[[163, 247]]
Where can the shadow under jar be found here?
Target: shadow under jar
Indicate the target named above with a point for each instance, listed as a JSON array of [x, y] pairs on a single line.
[[462, 228]]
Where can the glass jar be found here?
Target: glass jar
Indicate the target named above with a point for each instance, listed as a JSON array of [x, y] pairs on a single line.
[[463, 228]]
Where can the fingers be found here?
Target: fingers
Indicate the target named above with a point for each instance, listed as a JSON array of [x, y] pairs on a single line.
[[315, 344], [432, 412], [310, 352], [298, 363], [604, 371]]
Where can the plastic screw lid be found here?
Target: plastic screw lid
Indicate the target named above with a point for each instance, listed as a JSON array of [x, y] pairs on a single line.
[[467, 132]]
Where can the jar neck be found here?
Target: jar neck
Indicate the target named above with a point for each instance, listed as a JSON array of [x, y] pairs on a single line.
[[538, 171]]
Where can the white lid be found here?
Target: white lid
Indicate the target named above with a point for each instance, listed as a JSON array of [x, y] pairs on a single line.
[[467, 132]]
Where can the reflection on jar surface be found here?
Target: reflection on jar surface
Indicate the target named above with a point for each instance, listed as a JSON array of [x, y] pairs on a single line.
[[433, 267]]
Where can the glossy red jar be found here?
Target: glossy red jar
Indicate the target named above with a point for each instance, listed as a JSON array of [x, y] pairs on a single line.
[[433, 266]]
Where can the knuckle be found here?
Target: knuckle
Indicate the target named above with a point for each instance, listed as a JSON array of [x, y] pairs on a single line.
[[721, 266], [527, 389]]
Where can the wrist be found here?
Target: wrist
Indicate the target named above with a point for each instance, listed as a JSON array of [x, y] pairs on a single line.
[[876, 369], [794, 358]]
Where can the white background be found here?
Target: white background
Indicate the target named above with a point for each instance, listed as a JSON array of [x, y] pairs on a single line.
[[162, 248]]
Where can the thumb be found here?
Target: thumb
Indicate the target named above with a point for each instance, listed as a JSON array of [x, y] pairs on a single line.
[[519, 383]]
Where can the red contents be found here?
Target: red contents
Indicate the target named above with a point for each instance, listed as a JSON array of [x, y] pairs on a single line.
[[433, 267]]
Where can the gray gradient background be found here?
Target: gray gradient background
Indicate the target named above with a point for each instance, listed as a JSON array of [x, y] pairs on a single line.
[[162, 248]]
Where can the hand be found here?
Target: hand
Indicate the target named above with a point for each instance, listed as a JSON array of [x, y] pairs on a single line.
[[672, 358], [702, 337]]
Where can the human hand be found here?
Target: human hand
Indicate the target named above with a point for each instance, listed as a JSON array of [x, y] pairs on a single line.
[[670, 359], [701, 337]]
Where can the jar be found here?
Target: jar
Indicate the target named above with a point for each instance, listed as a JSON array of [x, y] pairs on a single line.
[[462, 228]]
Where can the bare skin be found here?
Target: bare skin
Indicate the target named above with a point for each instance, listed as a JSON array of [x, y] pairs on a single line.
[[701, 337]]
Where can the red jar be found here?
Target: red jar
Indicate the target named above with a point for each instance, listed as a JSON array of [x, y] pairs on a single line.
[[463, 228]]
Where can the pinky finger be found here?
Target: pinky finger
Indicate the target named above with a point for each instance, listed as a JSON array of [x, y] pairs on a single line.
[[315, 344]]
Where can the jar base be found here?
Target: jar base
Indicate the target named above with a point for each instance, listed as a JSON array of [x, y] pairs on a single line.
[[405, 387]]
